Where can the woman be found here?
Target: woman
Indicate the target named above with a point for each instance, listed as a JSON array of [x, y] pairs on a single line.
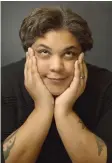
[[56, 107]]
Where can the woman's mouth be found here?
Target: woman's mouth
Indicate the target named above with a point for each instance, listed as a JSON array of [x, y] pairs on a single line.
[[56, 80]]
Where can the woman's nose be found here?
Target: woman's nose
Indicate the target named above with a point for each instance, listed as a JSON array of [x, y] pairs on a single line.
[[56, 63]]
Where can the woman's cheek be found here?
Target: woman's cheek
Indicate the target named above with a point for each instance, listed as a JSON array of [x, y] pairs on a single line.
[[70, 69], [42, 67]]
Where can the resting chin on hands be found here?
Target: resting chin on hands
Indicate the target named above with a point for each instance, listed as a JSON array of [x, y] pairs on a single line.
[[65, 102]]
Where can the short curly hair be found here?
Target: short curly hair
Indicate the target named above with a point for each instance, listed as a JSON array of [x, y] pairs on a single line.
[[42, 20]]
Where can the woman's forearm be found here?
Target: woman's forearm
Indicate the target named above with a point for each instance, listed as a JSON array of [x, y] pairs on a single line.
[[24, 144], [82, 145]]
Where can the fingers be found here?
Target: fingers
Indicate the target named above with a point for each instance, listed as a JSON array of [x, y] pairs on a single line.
[[83, 68], [77, 70], [85, 71], [80, 70], [34, 67], [81, 58], [25, 67], [32, 63], [28, 66], [76, 79], [31, 71]]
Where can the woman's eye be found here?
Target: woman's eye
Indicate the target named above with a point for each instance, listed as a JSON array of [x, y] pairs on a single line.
[[43, 52], [69, 54]]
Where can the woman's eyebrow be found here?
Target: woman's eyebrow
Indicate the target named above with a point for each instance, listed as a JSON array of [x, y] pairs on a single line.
[[70, 47], [67, 48], [45, 46]]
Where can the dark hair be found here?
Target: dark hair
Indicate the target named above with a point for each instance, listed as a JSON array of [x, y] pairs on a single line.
[[41, 20]]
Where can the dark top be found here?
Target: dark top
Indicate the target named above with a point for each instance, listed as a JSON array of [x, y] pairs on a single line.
[[94, 107]]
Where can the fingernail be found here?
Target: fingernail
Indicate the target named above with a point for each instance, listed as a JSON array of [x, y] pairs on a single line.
[[26, 54], [82, 54], [82, 58]]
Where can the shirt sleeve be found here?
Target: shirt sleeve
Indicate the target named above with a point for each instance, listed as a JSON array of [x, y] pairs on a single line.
[[104, 128], [8, 119], [8, 105]]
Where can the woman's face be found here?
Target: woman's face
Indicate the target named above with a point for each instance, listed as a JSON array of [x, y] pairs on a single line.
[[56, 54]]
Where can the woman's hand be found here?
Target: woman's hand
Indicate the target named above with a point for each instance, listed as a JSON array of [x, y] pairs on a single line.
[[34, 85], [65, 102]]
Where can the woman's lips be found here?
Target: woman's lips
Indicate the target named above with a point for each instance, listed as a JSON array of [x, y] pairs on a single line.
[[56, 80]]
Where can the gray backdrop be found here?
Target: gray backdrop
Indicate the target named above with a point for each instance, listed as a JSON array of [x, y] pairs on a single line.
[[97, 14]]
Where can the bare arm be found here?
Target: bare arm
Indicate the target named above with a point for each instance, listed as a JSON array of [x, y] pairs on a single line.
[[82, 145], [24, 144]]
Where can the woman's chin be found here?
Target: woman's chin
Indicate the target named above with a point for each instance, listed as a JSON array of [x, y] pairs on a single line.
[[57, 92], [57, 89]]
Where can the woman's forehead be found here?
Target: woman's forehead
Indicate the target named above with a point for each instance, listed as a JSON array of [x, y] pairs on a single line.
[[60, 39]]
